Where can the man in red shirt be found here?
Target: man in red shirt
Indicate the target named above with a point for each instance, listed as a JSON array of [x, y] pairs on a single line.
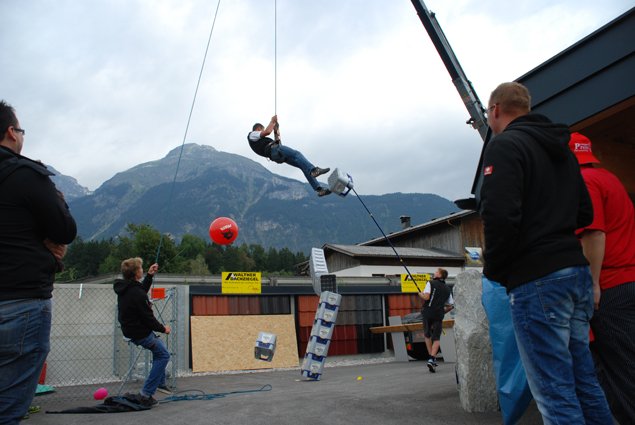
[[609, 245]]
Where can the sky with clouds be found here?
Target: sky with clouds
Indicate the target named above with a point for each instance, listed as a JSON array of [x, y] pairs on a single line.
[[103, 85]]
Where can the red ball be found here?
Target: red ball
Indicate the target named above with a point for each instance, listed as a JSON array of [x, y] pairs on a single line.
[[223, 231]]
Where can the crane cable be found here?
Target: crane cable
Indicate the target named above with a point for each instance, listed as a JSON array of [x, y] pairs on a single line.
[[187, 127]]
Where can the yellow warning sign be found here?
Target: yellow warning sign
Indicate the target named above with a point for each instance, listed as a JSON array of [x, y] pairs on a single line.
[[407, 285], [241, 283]]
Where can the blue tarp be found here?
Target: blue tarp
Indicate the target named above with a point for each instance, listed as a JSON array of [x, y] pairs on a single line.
[[511, 382]]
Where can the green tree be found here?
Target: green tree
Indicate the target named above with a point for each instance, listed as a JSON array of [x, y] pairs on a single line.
[[198, 266], [191, 247], [144, 242], [122, 248], [236, 259], [287, 260], [273, 260], [193, 255], [147, 241], [214, 258], [259, 255], [83, 258]]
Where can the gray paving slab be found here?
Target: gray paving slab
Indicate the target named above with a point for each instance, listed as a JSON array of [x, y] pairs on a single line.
[[385, 392]]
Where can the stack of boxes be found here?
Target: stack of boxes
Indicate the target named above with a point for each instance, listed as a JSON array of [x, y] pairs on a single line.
[[265, 346], [321, 334]]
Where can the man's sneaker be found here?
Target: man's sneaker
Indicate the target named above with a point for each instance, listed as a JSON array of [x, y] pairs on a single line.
[[164, 389], [32, 409], [147, 401], [317, 171], [323, 191], [432, 365]]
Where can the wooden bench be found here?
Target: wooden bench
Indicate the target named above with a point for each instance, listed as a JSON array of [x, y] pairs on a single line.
[[407, 327], [396, 330]]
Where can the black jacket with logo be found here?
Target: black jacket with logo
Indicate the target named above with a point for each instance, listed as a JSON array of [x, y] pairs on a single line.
[[532, 200], [134, 309], [31, 210]]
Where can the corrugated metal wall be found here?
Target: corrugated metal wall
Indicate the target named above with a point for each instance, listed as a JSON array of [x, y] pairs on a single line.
[[229, 305], [357, 314], [402, 304]]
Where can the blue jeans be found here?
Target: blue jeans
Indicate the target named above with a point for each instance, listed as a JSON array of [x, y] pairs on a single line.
[[551, 322], [25, 330], [282, 153], [160, 359]]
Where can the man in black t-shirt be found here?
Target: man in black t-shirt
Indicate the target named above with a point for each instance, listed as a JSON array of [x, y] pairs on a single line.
[[437, 300]]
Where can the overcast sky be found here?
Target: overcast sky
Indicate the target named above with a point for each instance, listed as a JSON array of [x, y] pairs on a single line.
[[103, 85]]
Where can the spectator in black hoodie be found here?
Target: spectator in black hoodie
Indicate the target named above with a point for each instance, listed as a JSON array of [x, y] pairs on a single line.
[[532, 200], [139, 324], [35, 226]]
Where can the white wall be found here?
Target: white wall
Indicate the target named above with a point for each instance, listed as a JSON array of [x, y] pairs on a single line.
[[367, 270]]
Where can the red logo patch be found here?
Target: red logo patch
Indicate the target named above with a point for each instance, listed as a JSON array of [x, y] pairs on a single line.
[[488, 170]]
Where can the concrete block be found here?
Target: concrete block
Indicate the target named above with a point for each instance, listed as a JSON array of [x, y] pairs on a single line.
[[475, 371]]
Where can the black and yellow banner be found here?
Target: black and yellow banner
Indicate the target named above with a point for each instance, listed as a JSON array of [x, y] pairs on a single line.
[[242, 283], [407, 285]]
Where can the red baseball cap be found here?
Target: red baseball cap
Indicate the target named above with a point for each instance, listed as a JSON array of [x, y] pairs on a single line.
[[580, 145]]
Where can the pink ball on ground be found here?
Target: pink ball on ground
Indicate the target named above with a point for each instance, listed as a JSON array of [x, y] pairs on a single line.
[[100, 394]]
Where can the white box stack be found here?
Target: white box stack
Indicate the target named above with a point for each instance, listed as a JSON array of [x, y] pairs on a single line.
[[265, 346], [317, 267], [321, 334]]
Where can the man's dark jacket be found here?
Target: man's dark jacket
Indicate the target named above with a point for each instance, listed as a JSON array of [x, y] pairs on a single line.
[[31, 210], [135, 311], [434, 308], [532, 199]]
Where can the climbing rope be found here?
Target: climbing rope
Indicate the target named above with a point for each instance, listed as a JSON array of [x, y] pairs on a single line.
[[387, 239], [275, 57], [205, 396], [187, 127]]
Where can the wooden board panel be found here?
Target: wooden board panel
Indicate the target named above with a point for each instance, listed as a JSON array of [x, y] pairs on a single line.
[[227, 342]]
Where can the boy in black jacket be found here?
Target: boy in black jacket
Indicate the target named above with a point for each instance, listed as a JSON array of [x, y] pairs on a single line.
[[139, 324], [531, 201]]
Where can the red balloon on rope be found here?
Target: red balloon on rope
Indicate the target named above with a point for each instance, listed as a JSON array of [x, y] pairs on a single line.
[[223, 231]]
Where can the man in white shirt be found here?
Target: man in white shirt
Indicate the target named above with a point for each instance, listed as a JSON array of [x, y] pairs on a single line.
[[437, 300]]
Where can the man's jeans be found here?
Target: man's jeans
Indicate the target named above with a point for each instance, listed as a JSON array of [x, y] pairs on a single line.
[[160, 359], [551, 322], [282, 153], [25, 330]]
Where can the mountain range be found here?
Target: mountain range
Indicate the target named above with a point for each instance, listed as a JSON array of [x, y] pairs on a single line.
[[270, 210]]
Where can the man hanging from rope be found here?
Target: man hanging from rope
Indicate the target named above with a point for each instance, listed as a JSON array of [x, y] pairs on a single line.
[[275, 151]]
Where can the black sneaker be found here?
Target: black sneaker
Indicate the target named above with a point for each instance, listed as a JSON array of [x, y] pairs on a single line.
[[147, 401], [323, 191], [317, 171], [164, 389], [432, 365]]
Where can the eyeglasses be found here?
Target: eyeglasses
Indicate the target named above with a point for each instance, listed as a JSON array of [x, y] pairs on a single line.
[[19, 130]]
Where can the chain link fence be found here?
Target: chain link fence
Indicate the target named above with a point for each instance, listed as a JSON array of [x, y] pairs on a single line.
[[89, 351]]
